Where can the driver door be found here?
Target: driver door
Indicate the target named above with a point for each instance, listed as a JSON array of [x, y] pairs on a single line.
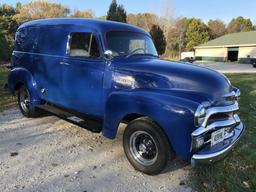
[[82, 74]]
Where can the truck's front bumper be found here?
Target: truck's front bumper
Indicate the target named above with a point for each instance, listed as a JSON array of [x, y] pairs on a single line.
[[219, 151]]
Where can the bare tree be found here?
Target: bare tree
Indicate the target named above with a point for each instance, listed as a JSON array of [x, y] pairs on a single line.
[[143, 20]]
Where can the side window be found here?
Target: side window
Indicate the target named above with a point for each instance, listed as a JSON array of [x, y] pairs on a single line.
[[20, 40], [83, 45], [26, 40]]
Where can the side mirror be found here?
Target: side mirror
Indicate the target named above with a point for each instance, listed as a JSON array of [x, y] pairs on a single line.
[[108, 54]]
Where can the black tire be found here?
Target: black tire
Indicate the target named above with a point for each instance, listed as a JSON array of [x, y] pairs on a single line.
[[25, 104], [146, 146]]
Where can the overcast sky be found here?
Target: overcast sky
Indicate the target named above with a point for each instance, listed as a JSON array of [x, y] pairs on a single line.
[[204, 9]]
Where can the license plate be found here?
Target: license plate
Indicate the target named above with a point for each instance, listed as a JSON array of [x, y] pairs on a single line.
[[217, 137]]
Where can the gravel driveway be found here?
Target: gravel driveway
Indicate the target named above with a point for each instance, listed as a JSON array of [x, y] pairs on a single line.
[[49, 154], [228, 67]]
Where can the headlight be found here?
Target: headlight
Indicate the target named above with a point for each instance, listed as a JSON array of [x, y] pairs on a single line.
[[198, 142], [237, 92], [200, 115]]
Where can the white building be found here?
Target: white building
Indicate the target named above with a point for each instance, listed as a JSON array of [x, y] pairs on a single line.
[[235, 47]]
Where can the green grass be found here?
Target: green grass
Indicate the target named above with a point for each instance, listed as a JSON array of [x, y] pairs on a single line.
[[172, 59], [6, 100], [238, 171]]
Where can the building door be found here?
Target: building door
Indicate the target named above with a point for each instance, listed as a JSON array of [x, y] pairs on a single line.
[[233, 54]]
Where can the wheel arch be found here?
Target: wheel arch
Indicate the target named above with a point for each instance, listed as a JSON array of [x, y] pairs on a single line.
[[18, 85], [153, 121], [21, 76], [132, 116]]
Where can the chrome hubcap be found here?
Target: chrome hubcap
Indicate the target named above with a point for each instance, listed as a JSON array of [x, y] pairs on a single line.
[[24, 100], [143, 148]]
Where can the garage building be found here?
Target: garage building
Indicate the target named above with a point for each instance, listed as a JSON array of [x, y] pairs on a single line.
[[235, 47]]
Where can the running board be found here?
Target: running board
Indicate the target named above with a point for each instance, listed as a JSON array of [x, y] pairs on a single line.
[[84, 121]]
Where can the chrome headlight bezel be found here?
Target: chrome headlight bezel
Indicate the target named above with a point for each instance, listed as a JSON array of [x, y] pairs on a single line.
[[237, 92], [200, 115]]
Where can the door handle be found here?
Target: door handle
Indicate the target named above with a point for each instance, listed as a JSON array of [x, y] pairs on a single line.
[[64, 63]]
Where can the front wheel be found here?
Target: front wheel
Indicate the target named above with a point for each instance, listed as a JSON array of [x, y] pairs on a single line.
[[146, 146], [24, 102]]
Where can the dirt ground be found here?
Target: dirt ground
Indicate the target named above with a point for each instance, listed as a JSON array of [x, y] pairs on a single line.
[[49, 154]]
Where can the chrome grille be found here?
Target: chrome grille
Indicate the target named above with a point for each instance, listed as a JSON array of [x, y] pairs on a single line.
[[218, 117], [219, 113]]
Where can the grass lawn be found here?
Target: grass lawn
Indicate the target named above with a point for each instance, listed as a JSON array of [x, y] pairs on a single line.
[[6, 100], [172, 59], [238, 171]]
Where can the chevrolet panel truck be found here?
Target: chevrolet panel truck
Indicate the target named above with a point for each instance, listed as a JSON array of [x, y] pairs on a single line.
[[97, 74]]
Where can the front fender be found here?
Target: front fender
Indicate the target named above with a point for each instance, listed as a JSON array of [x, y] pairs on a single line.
[[175, 115], [21, 76]]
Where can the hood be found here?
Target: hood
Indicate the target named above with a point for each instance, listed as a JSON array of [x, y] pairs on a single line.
[[175, 78]]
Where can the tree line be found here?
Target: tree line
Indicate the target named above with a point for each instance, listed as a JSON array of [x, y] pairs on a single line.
[[171, 37]]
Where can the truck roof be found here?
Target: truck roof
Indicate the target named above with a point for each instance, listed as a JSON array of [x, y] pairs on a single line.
[[96, 24]]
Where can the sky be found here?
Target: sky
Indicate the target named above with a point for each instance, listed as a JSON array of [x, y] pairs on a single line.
[[204, 9]]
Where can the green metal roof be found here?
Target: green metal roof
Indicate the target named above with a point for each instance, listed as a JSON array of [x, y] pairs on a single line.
[[232, 40]]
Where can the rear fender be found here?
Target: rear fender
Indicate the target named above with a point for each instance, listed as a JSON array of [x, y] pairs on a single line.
[[21, 76]]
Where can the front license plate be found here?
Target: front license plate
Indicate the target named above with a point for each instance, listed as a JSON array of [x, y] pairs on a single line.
[[217, 137]]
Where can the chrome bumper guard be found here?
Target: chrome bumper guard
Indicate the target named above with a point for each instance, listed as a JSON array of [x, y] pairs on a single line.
[[218, 152], [233, 129]]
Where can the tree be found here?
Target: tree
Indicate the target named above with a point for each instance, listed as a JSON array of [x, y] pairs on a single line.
[[239, 24], [159, 39], [8, 27], [5, 48], [103, 17], [85, 14], [197, 33], [40, 9], [217, 28], [176, 37], [116, 12], [112, 12], [18, 7], [7, 10], [182, 26], [143, 20], [122, 14]]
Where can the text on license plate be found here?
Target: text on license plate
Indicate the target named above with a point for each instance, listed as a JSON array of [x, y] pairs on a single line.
[[217, 137]]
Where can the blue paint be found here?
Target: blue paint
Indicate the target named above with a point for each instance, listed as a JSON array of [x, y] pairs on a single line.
[[167, 92]]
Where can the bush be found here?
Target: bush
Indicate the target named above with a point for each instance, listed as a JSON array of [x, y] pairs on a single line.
[[6, 46]]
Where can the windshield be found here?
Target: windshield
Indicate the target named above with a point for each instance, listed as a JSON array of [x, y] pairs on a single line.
[[123, 43]]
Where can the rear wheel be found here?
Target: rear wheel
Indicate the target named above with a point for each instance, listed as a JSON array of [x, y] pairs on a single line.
[[24, 102], [146, 146]]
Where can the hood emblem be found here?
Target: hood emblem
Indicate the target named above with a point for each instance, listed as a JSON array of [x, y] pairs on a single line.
[[125, 80]]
